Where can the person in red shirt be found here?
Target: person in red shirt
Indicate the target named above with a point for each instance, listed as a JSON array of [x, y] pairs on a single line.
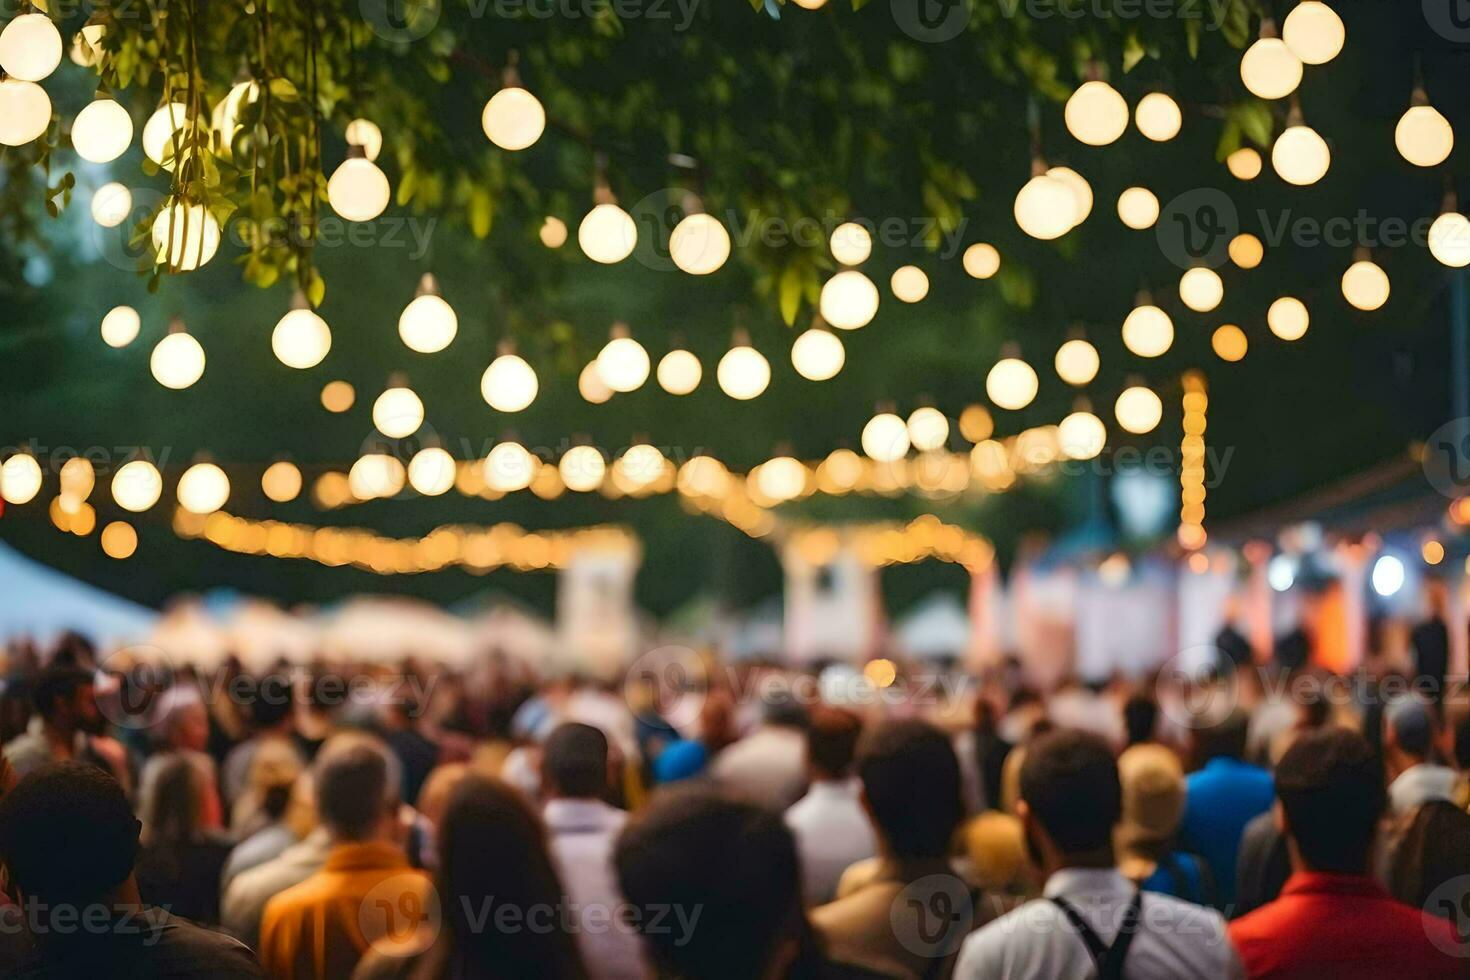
[[1332, 919]]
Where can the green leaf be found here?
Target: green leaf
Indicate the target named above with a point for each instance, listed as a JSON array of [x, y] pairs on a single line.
[[1133, 52], [482, 212], [790, 293]]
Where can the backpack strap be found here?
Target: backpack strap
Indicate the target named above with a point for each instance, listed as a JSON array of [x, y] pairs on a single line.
[[1107, 959]]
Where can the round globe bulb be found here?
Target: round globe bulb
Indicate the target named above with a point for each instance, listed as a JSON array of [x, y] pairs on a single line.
[[119, 540], [851, 243], [185, 236], [375, 475], [743, 373], [1449, 239], [582, 468], [203, 489], [1423, 136], [513, 118], [1095, 113], [398, 412], [281, 481], [20, 479], [1046, 208], [1148, 331], [928, 428], [1138, 410], [1365, 285], [1138, 208], [1081, 191], [1201, 289], [885, 438], [510, 467], [159, 132], [909, 283], [818, 355], [30, 48], [623, 364], [1011, 383], [1082, 435], [1287, 317], [1158, 117], [137, 485], [366, 134], [358, 190], [1270, 70], [120, 326], [553, 233], [679, 372], [431, 471], [699, 244], [427, 324], [301, 339], [177, 361], [338, 396], [1313, 32], [849, 300], [607, 234], [1300, 156], [102, 131], [1229, 343], [781, 479], [509, 384], [591, 386], [25, 112], [111, 205], [981, 260], [1246, 250], [1244, 164], [1076, 363]]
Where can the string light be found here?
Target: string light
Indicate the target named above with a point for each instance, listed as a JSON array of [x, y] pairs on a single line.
[[509, 384], [909, 283], [1147, 330], [185, 236], [301, 338], [1138, 208], [1246, 250], [976, 423], [1299, 155], [281, 481], [431, 471], [885, 438], [1244, 164], [120, 326], [679, 372], [161, 132], [1423, 136], [1269, 69], [849, 300], [981, 260], [111, 204], [699, 244], [1365, 284], [1157, 117], [225, 119], [102, 131], [338, 396], [582, 468], [137, 485], [428, 323], [376, 475], [1200, 289], [1082, 435], [1045, 207], [591, 386], [366, 134], [623, 363], [818, 354], [1229, 343], [743, 373], [25, 112], [1288, 319], [510, 467], [358, 190], [851, 243], [553, 233], [119, 540], [928, 428], [177, 360], [1138, 410], [203, 489], [513, 119], [1076, 362], [1011, 383], [20, 479], [1095, 113], [607, 233], [1191, 534], [1313, 32], [30, 48], [1081, 191], [398, 411], [1449, 237]]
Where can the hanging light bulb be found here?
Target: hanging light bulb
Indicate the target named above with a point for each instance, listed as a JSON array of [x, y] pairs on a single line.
[[120, 326], [375, 475], [78, 477], [909, 283], [1011, 383], [1095, 113], [203, 489], [1200, 289], [781, 479], [699, 244], [185, 236], [679, 372], [137, 485], [851, 243], [1268, 68], [1147, 330], [1287, 317], [743, 373], [1313, 32], [431, 471], [928, 428], [177, 360], [1423, 136], [20, 479], [513, 118], [1449, 236], [1246, 250], [607, 233], [818, 354], [981, 260], [366, 134], [1081, 191], [1081, 434], [885, 438], [591, 386], [398, 411], [1045, 208], [1138, 208], [1229, 343], [30, 48], [224, 121], [582, 468], [102, 131], [1138, 410], [281, 481], [111, 205], [509, 384], [1244, 164], [86, 45], [1157, 117], [1077, 362], [1299, 155], [358, 190], [338, 396], [25, 111], [553, 233], [161, 133], [640, 465], [623, 363], [301, 338], [1365, 284], [849, 300], [510, 467], [428, 323]]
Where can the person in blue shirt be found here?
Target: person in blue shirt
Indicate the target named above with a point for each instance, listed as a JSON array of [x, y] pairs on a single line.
[[1221, 797]]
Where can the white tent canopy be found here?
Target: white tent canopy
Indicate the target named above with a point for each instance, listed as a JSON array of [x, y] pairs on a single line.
[[39, 602]]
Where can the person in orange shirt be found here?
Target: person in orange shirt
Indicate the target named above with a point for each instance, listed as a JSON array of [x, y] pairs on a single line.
[[365, 892]]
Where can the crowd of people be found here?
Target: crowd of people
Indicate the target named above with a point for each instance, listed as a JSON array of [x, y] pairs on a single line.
[[401, 821]]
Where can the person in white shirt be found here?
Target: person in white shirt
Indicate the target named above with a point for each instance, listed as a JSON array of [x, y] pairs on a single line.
[[1091, 921], [582, 829], [1409, 732], [831, 828], [768, 766]]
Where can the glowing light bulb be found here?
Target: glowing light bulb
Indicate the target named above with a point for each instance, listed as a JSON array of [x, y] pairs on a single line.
[[161, 133], [431, 471], [981, 260], [553, 233], [699, 244], [398, 412], [1082, 435], [1300, 156], [338, 396], [366, 134], [1076, 362], [743, 373], [1246, 250], [30, 48], [225, 119], [281, 481], [582, 468], [909, 283], [1270, 70], [623, 364], [639, 466], [509, 384], [301, 339], [375, 475], [1046, 208], [1313, 32], [20, 479], [781, 479], [851, 243], [1449, 239], [1244, 163], [607, 234], [137, 485], [849, 300], [591, 386], [818, 355], [513, 118], [679, 372], [111, 205], [203, 489], [510, 467], [25, 111], [885, 438], [1423, 136], [1148, 331], [1287, 317], [1081, 191], [120, 326], [1011, 383], [1200, 289], [358, 190], [1138, 208], [1229, 343], [185, 236], [1095, 113], [1138, 410], [428, 323], [928, 428], [1365, 285], [119, 540], [177, 361], [1158, 117], [102, 131]]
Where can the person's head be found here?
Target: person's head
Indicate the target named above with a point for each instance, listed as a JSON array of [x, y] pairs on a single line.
[[1152, 783], [183, 719], [1329, 788], [911, 787], [1070, 799], [1140, 718], [272, 703], [784, 710], [1462, 743], [1433, 849], [1408, 732], [66, 698], [1222, 739], [492, 846], [995, 843], [574, 762], [697, 848], [357, 781], [68, 836], [831, 742], [275, 768], [172, 808]]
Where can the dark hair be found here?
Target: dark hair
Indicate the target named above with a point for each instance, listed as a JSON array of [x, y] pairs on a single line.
[[58, 683], [1069, 780], [574, 760], [1434, 848], [352, 788], [1225, 738], [173, 804], [1412, 724], [67, 834], [493, 848], [1331, 786], [272, 701], [1462, 743], [832, 740], [698, 848], [911, 779], [1141, 718]]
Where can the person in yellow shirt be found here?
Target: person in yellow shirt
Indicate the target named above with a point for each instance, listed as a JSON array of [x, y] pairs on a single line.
[[365, 892]]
